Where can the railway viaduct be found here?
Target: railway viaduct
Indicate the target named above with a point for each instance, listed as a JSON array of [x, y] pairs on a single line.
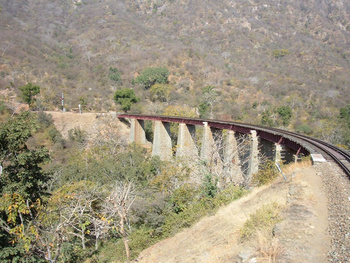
[[265, 140], [273, 144]]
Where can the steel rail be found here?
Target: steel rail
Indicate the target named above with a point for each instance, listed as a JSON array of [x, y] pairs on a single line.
[[324, 146], [344, 153], [291, 139]]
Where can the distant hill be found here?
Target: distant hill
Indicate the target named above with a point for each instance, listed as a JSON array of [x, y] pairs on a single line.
[[274, 53]]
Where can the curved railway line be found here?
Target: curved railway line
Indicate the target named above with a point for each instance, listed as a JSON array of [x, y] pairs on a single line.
[[340, 156], [329, 151], [313, 145]]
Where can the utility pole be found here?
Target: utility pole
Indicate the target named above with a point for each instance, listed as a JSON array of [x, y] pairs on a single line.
[[62, 99]]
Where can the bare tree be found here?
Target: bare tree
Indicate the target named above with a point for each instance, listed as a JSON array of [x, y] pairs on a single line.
[[107, 136], [224, 161], [100, 227], [50, 233], [77, 214], [73, 209], [116, 211]]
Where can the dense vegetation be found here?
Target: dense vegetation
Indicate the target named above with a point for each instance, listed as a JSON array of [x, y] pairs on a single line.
[[89, 196], [273, 62]]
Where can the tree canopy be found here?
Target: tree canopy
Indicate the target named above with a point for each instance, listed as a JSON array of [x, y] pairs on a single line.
[[126, 98], [28, 92], [114, 74], [160, 92], [22, 188], [285, 113], [151, 76]]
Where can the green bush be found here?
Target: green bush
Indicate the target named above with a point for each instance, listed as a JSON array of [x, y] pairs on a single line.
[[203, 108], [114, 74], [111, 251], [278, 53], [181, 197], [267, 173], [209, 186], [304, 128], [285, 113], [3, 106], [229, 194], [44, 119], [160, 92], [198, 208], [70, 252], [344, 119], [263, 219], [140, 239], [266, 119], [28, 92], [126, 98], [344, 115], [114, 250], [56, 137], [149, 209], [77, 135], [174, 222]]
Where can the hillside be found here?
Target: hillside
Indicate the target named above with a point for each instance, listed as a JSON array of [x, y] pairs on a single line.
[[300, 236], [257, 55]]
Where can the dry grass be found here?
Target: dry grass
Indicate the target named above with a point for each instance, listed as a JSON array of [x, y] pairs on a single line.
[[292, 167], [269, 249], [263, 219]]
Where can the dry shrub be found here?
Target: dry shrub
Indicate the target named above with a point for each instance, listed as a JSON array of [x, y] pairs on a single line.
[[262, 220], [269, 249], [289, 168], [267, 173]]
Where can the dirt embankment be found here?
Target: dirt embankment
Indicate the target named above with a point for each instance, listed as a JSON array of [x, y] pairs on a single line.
[[88, 122], [300, 237]]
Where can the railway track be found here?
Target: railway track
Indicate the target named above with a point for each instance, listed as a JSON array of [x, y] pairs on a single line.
[[330, 152], [327, 150]]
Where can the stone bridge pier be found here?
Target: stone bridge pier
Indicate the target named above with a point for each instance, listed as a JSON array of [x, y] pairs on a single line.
[[137, 132], [186, 142], [218, 146], [215, 147], [162, 146]]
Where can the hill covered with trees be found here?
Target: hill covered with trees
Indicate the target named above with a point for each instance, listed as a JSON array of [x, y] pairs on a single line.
[[257, 57]]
